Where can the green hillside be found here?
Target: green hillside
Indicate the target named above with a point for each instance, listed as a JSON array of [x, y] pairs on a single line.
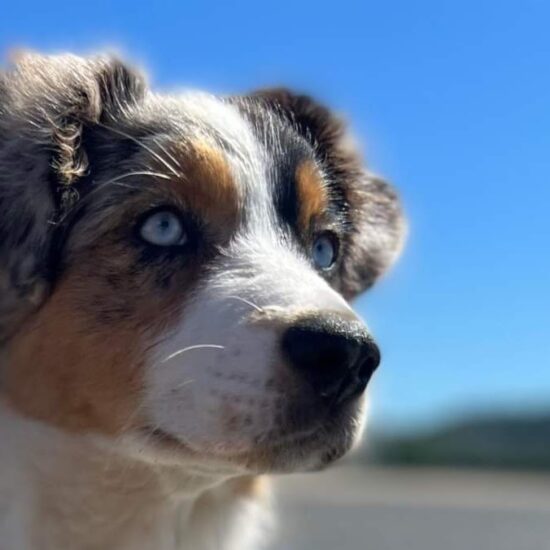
[[518, 442]]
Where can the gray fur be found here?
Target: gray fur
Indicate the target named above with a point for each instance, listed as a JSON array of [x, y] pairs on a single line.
[[44, 103]]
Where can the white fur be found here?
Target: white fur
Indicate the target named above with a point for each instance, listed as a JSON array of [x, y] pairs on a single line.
[[71, 492], [190, 394], [82, 492], [260, 275]]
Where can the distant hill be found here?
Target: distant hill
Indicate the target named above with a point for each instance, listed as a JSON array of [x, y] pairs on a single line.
[[517, 442]]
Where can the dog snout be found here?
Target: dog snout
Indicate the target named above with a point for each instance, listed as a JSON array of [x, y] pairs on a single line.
[[335, 356]]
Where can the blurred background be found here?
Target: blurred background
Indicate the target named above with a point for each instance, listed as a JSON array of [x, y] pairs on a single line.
[[451, 102]]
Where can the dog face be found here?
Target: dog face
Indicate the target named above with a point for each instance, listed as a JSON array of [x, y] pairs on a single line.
[[175, 270]]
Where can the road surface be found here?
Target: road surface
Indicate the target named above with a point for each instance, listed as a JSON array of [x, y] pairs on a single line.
[[353, 508]]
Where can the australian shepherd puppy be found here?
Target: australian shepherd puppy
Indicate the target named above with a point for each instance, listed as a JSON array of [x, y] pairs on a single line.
[[175, 273]]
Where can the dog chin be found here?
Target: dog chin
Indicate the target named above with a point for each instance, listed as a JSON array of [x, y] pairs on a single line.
[[290, 450], [303, 453], [328, 438]]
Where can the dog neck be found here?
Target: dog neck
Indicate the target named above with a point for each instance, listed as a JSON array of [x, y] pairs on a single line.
[[64, 491]]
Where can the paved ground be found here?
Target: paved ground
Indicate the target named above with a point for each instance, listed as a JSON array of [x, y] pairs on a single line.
[[354, 509]]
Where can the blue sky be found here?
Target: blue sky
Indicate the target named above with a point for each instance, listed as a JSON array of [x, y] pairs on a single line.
[[451, 101]]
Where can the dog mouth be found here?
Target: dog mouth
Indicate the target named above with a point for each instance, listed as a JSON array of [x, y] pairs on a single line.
[[158, 437]]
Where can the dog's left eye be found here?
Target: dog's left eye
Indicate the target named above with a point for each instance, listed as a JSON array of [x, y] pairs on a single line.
[[163, 228], [325, 250]]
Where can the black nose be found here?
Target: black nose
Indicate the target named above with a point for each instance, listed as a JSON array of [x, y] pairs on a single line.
[[337, 357]]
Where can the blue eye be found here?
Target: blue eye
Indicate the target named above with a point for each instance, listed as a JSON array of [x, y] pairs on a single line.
[[163, 228], [324, 250]]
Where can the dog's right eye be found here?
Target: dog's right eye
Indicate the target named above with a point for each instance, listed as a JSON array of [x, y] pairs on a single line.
[[325, 250], [163, 228]]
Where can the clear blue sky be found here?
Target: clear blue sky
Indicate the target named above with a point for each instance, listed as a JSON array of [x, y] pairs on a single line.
[[452, 103]]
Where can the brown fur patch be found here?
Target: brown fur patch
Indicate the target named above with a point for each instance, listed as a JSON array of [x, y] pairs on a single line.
[[254, 487], [79, 363], [73, 375], [312, 193]]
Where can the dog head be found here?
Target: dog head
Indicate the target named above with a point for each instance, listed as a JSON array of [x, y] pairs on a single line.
[[175, 270]]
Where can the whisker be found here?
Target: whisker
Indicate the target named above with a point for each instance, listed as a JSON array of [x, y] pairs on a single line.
[[115, 181], [248, 302], [189, 348], [178, 386], [144, 173], [144, 146], [167, 152]]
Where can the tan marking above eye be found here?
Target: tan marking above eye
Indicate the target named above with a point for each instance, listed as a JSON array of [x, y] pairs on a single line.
[[206, 185], [312, 193]]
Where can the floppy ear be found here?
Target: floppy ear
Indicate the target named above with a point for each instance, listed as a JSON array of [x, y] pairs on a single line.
[[375, 215], [46, 102]]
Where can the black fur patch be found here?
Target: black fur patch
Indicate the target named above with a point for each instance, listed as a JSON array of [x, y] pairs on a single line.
[[366, 207]]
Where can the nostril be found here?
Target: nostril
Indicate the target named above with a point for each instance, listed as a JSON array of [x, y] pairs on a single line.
[[337, 359], [369, 360]]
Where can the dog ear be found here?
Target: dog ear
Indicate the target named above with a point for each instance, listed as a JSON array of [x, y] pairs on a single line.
[[45, 104], [375, 214]]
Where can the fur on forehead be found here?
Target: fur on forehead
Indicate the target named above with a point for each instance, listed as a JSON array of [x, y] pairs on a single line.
[[375, 219]]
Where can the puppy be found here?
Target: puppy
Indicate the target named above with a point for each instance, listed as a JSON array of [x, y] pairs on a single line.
[[174, 322]]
